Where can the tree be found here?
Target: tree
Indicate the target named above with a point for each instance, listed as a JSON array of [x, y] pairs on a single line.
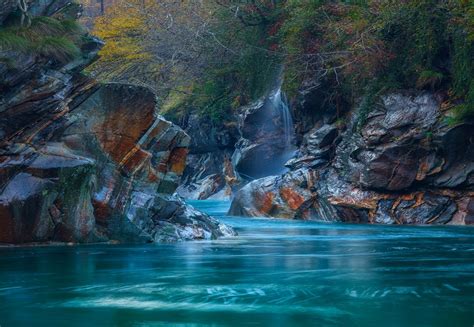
[[198, 51], [25, 16]]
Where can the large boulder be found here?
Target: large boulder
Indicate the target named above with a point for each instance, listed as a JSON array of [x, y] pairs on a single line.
[[288, 196], [82, 161], [324, 196], [392, 150], [104, 168]]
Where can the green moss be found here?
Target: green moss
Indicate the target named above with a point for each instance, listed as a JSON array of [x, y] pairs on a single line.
[[367, 105], [176, 105], [462, 113]]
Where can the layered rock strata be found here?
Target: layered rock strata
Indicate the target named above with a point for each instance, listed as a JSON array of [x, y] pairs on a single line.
[[404, 166]]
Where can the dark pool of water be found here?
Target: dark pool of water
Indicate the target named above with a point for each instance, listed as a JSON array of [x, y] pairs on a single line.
[[276, 273]]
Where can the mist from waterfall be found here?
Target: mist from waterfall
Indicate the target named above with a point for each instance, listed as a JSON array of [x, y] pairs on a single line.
[[271, 136]]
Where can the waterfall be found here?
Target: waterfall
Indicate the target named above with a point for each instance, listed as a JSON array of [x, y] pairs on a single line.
[[268, 136], [280, 103]]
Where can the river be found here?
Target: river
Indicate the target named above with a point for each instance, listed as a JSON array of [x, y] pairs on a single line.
[[275, 273]]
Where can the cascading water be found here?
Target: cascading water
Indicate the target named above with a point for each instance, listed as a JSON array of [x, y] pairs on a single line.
[[280, 103], [267, 137]]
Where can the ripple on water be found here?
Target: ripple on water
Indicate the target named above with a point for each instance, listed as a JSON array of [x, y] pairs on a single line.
[[275, 273]]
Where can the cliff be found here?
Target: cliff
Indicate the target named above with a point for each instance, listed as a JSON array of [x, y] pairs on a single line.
[[82, 161], [405, 165]]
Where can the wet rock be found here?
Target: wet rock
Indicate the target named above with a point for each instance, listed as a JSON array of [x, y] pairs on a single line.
[[321, 138], [392, 151], [50, 201], [454, 165], [465, 213], [6, 8], [251, 145], [288, 196], [202, 189], [392, 168], [306, 161], [107, 161], [401, 117], [405, 166], [186, 223], [424, 208], [53, 7], [208, 138], [264, 146]]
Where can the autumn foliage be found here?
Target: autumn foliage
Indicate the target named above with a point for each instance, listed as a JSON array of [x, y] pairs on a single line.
[[215, 55]]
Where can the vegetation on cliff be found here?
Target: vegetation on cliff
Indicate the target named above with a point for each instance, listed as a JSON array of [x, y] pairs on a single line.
[[54, 39], [212, 56], [193, 54], [364, 48]]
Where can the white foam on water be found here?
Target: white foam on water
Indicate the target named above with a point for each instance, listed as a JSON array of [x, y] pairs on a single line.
[[137, 303]]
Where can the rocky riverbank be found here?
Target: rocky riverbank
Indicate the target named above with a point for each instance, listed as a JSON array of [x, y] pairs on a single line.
[[404, 165], [82, 161]]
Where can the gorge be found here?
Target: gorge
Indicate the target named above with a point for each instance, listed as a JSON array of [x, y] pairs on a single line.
[[236, 163]]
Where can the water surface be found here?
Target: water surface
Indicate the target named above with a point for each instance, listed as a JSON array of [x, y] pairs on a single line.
[[276, 273]]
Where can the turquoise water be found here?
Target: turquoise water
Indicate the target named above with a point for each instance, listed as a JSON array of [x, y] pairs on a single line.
[[276, 273]]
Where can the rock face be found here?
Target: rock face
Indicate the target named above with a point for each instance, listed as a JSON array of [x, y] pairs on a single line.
[[7, 7], [209, 173], [404, 166], [85, 162], [255, 143], [265, 138]]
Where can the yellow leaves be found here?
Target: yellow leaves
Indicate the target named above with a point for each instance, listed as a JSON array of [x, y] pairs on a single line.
[[121, 29], [106, 27], [123, 49]]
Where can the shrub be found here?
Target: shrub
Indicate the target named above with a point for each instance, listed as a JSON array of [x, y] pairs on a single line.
[[59, 49], [9, 40], [365, 48], [429, 79], [47, 37]]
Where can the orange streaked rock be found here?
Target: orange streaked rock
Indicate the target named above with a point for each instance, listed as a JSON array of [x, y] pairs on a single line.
[[265, 202], [135, 160], [292, 198], [177, 160]]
